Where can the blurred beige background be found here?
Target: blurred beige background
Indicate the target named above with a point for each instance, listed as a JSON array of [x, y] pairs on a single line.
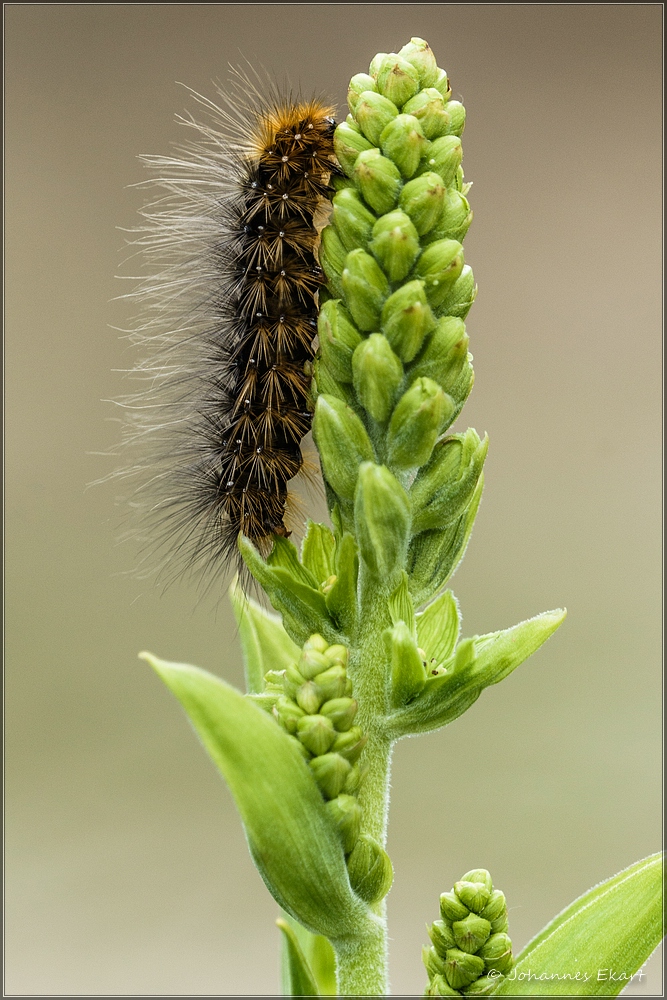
[[127, 870]]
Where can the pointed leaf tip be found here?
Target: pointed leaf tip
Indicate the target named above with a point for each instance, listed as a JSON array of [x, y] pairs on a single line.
[[300, 980]]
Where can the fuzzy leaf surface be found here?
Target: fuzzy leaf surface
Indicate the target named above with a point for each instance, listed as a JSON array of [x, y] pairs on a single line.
[[293, 842], [612, 928]]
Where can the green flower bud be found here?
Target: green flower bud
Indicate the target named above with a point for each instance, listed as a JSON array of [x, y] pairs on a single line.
[[348, 143], [422, 199], [442, 937], [407, 673], [378, 179], [342, 442], [331, 683], [461, 968], [359, 83], [377, 374], [439, 265], [325, 384], [429, 107], [341, 711], [443, 156], [455, 218], [374, 112], [406, 319], [338, 339], [376, 62], [395, 245], [474, 889], [433, 962], [397, 79], [352, 220], [416, 423], [496, 907], [366, 289], [350, 744], [354, 124], [353, 780], [443, 488], [382, 519], [497, 953], [482, 987], [461, 296], [500, 925], [288, 714], [403, 142], [457, 118], [370, 870], [444, 354], [434, 555], [336, 654], [451, 907], [471, 933], [332, 255], [293, 680], [441, 988], [312, 663], [442, 85], [316, 733], [345, 811], [419, 54], [331, 771], [309, 698]]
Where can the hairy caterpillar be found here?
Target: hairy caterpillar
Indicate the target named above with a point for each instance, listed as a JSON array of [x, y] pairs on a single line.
[[228, 323]]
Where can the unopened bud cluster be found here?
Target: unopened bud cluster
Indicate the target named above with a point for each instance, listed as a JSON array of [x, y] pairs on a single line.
[[471, 951], [312, 701], [393, 369]]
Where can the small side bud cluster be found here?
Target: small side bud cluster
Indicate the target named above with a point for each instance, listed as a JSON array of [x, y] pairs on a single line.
[[312, 701], [393, 370], [470, 951]]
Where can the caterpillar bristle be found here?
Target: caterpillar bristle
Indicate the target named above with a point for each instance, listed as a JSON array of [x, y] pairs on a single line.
[[228, 324]]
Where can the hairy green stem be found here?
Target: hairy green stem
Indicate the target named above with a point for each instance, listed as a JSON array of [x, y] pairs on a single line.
[[362, 964]]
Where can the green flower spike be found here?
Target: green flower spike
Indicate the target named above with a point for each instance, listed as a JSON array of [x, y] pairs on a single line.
[[316, 708], [468, 956]]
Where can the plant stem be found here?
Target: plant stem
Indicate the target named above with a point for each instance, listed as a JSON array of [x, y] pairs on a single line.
[[362, 962]]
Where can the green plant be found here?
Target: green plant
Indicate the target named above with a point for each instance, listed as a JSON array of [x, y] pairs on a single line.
[[350, 664]]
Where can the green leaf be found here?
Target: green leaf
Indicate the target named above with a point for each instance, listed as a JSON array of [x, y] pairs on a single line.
[[438, 627], [318, 551], [401, 607], [341, 600], [264, 642], [319, 955], [298, 979], [292, 839], [284, 554], [608, 932], [477, 663], [303, 608]]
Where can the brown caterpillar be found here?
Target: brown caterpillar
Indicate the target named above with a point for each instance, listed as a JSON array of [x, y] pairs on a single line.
[[228, 323]]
